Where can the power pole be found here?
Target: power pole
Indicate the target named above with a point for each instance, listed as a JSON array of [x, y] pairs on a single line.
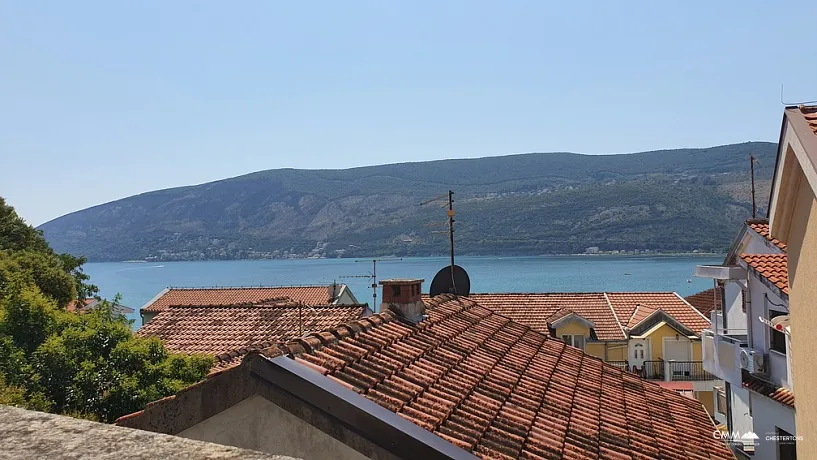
[[752, 168]]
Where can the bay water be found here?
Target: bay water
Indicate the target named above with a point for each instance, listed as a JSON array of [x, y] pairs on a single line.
[[140, 282]]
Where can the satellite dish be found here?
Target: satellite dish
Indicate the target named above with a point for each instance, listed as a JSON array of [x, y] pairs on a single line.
[[780, 322], [444, 284]]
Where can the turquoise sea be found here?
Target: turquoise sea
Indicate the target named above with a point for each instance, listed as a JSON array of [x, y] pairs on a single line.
[[140, 282]]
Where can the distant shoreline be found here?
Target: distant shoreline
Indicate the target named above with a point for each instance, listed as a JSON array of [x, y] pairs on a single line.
[[627, 255]]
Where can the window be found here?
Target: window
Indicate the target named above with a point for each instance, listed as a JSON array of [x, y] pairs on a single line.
[[638, 353], [786, 446], [777, 340], [574, 340], [720, 400], [395, 291]]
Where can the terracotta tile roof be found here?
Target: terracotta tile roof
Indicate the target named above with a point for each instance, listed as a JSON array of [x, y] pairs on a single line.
[[236, 330], [773, 267], [706, 301], [79, 305], [810, 114], [640, 313], [500, 389], [762, 228], [537, 310], [309, 295], [770, 390], [625, 303]]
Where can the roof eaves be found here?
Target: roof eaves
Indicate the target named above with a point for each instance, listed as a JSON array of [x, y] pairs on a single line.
[[659, 316], [766, 281], [732, 254], [155, 298], [572, 317], [382, 426]]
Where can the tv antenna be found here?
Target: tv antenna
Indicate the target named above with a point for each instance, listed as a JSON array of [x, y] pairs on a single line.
[[450, 197], [752, 160], [451, 279], [372, 275]]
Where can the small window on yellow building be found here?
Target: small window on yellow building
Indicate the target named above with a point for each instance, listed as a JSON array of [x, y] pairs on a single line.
[[574, 340]]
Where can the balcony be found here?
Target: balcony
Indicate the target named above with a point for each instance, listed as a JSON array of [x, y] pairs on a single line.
[[721, 355], [676, 371]]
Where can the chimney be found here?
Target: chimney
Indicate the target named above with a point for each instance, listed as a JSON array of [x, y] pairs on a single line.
[[403, 297]]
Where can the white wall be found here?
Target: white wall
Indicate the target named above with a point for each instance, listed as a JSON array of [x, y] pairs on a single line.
[[741, 414], [733, 308], [761, 333], [769, 414], [258, 424]]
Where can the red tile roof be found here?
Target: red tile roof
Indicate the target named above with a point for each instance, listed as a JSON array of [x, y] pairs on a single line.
[[762, 228], [706, 301], [235, 330], [625, 303], [773, 267], [309, 295], [537, 310], [500, 389], [770, 390], [79, 305], [610, 312]]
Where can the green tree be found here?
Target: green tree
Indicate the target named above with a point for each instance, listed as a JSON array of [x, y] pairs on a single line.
[[81, 364]]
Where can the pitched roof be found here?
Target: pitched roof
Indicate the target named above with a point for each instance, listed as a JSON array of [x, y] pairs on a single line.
[[773, 267], [217, 330], [538, 310], [503, 390], [706, 301], [497, 388], [762, 228], [309, 295], [610, 311], [768, 389], [625, 303]]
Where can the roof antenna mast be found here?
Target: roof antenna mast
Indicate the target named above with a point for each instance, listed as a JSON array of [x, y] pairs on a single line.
[[372, 276], [752, 168]]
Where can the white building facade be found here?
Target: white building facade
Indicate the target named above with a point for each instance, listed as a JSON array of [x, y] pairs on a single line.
[[748, 346]]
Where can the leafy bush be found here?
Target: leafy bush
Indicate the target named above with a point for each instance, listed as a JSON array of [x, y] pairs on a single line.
[[87, 365]]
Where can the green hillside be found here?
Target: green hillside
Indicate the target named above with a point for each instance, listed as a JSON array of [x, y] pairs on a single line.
[[672, 200]]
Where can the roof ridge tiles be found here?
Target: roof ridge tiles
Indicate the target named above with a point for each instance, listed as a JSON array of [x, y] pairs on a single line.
[[615, 316], [225, 288]]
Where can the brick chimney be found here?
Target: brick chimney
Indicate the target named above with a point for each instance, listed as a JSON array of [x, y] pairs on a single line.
[[404, 298]]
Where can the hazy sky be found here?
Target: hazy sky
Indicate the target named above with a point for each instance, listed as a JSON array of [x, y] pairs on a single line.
[[102, 100]]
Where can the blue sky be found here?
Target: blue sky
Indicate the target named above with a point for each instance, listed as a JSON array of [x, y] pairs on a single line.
[[102, 100]]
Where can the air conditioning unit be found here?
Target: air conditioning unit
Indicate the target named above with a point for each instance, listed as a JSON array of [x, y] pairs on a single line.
[[754, 362]]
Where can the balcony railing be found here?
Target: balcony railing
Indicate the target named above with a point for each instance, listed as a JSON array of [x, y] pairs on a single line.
[[688, 371], [653, 370], [675, 371]]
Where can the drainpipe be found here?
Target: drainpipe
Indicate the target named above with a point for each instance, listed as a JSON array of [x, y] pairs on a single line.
[[667, 374], [747, 300]]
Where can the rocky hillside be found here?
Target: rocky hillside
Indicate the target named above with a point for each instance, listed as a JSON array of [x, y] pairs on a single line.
[[538, 203]]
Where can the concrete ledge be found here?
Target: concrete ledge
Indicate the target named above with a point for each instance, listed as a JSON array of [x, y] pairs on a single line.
[[29, 434]]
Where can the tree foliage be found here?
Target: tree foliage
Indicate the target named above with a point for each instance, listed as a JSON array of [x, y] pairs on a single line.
[[82, 364]]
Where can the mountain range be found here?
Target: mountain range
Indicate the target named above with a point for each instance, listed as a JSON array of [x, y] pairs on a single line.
[[679, 200]]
